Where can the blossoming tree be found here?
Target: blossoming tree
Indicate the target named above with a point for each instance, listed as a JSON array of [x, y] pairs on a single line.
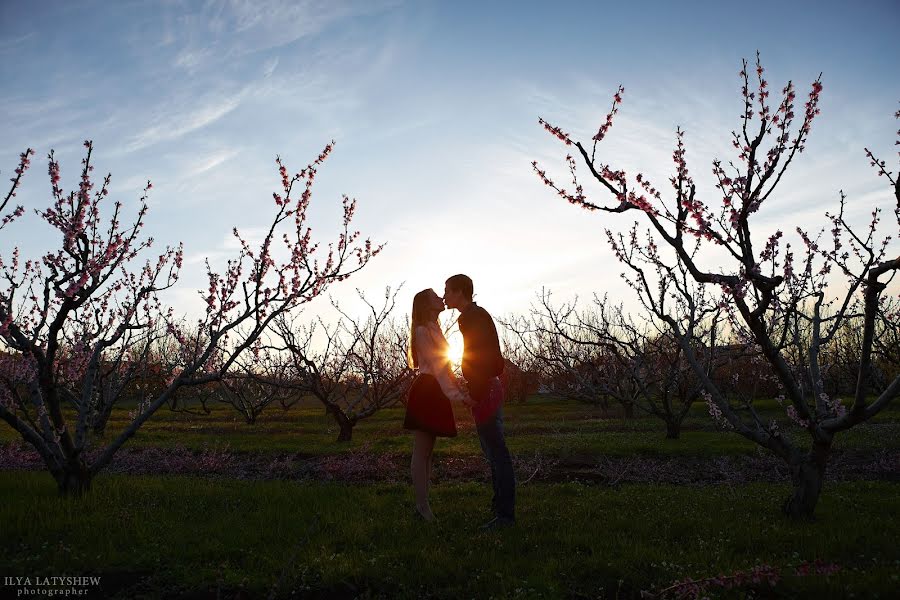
[[62, 314], [770, 289]]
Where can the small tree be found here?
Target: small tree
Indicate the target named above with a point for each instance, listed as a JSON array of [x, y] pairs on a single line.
[[568, 361], [520, 377], [772, 290], [840, 359], [355, 367], [60, 314], [635, 361], [257, 380]]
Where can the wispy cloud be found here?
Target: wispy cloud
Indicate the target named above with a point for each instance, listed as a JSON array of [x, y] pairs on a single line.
[[269, 67], [174, 122], [226, 30], [209, 162], [12, 44], [28, 108], [192, 58]]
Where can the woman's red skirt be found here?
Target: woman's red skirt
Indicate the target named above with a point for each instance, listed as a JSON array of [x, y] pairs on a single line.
[[428, 408]]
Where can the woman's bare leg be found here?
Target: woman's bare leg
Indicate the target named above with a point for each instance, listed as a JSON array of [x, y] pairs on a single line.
[[423, 444]]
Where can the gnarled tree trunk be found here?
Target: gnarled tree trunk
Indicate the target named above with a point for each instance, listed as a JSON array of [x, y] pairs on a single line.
[[673, 429], [344, 422], [807, 476], [74, 479]]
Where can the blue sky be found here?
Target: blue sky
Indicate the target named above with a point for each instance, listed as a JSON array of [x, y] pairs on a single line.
[[434, 108]]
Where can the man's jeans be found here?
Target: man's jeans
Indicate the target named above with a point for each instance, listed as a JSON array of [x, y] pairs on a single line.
[[493, 444]]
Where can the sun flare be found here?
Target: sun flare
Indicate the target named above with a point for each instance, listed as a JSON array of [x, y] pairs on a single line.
[[455, 349]]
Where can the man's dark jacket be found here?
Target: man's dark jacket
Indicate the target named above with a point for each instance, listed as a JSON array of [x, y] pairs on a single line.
[[481, 353]]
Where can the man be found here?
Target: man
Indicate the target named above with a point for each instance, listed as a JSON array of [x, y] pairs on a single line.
[[482, 364]]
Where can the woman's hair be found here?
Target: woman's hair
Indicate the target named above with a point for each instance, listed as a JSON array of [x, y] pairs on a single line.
[[421, 316]]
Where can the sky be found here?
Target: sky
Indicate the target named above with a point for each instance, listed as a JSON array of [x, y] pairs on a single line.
[[433, 107]]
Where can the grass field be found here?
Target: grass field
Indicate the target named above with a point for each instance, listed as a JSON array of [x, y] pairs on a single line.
[[222, 537], [547, 425], [333, 540]]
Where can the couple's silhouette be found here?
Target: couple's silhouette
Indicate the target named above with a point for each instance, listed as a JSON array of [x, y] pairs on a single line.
[[428, 411]]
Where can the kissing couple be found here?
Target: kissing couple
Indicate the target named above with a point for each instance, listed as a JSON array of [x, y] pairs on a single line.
[[428, 410]]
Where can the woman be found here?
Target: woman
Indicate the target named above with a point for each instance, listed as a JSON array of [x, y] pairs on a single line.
[[428, 403]]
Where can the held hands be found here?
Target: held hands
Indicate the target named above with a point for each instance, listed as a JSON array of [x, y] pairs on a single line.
[[464, 394]]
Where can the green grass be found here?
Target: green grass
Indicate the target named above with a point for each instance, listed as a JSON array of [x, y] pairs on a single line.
[[332, 540], [549, 426], [571, 540]]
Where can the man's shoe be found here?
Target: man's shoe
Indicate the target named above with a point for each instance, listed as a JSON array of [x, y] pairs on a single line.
[[498, 523]]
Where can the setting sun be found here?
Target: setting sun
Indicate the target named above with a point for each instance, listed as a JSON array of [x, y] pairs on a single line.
[[455, 351]]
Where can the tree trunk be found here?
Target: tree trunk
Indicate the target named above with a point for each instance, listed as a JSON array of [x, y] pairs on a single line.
[[102, 418], [807, 475], [346, 430], [629, 409], [346, 424], [73, 480], [673, 429]]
